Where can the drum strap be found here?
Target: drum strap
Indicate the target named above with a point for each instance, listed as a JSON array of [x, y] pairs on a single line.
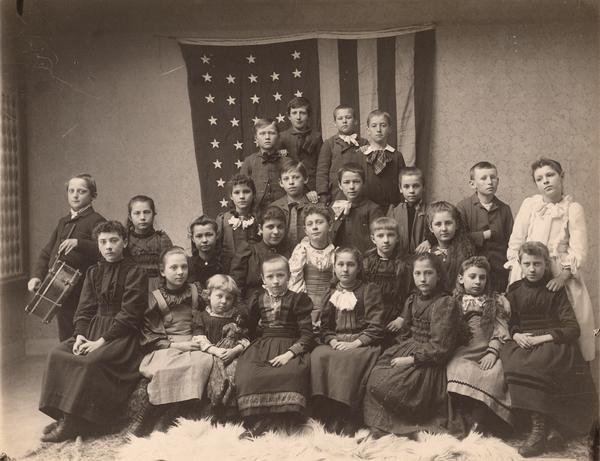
[[57, 257]]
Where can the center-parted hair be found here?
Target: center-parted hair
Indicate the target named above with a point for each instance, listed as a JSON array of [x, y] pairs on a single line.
[[201, 221], [173, 250], [544, 161], [358, 257], [436, 263], [135, 199]]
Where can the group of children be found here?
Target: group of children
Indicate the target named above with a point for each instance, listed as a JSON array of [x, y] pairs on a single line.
[[329, 289]]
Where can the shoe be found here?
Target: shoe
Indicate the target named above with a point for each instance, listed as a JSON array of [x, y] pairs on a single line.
[[375, 433], [554, 439], [535, 444], [246, 435], [68, 428], [50, 427]]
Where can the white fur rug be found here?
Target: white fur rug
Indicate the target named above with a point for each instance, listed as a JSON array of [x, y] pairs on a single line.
[[192, 440]]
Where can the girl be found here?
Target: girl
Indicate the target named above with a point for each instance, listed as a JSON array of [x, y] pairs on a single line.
[[475, 370], [352, 328], [311, 264], [177, 368], [273, 375], [205, 261], [546, 374], [559, 223], [406, 391], [89, 377], [145, 242], [452, 245]]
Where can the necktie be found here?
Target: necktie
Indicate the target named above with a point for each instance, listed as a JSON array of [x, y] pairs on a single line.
[[293, 223]]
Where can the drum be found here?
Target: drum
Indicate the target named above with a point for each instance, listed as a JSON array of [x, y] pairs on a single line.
[[56, 287]]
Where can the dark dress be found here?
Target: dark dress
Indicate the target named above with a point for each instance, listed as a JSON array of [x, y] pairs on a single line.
[[145, 252], [352, 229], [200, 269], [231, 235], [451, 259], [96, 386], [414, 398], [280, 324], [342, 375], [552, 378]]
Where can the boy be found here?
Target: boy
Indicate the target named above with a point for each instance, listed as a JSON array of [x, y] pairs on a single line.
[[300, 140], [382, 163], [72, 241], [335, 152], [489, 221], [410, 214], [263, 166], [293, 179], [238, 225], [354, 214], [205, 261]]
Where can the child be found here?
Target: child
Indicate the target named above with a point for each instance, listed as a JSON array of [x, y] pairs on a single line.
[[311, 264], [205, 261], [387, 267], [239, 224], [559, 223], [351, 330], [89, 377], [336, 151], [273, 374], [354, 214], [489, 221], [410, 214], [72, 242], [177, 369], [546, 374], [263, 166], [452, 244], [475, 371], [406, 391], [301, 141], [145, 243], [247, 263], [381, 162]]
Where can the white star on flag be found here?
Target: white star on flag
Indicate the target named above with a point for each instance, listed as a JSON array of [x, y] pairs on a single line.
[[277, 96], [215, 144], [238, 145], [274, 76], [255, 99], [251, 59], [255, 119], [295, 55], [223, 203], [210, 98], [297, 73], [253, 78], [234, 122], [205, 59], [230, 100], [217, 163], [298, 94], [280, 118], [239, 163], [207, 77], [220, 182], [230, 79], [212, 120]]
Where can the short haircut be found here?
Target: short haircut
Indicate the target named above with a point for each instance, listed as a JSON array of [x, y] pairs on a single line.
[[544, 161], [297, 102], [241, 179], [223, 282], [288, 164], [113, 227], [317, 208], [535, 249], [435, 262], [351, 167], [412, 171], [384, 223], [341, 107], [274, 258], [481, 166], [272, 213], [135, 199], [379, 113], [169, 251], [264, 122], [90, 183], [202, 221]]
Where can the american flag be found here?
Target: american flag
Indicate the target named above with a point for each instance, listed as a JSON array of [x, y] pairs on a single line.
[[231, 86]]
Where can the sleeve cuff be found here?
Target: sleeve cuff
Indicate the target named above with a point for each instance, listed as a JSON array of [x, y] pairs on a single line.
[[296, 349], [365, 340]]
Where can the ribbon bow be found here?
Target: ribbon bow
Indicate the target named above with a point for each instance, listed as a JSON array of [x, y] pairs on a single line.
[[341, 207], [470, 300], [235, 222], [343, 300], [270, 157], [554, 210], [349, 139], [378, 158]]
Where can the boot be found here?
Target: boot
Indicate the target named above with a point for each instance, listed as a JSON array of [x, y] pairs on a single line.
[[68, 428], [50, 427], [536, 441]]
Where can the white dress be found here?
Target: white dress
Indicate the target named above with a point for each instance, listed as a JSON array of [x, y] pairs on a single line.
[[561, 227]]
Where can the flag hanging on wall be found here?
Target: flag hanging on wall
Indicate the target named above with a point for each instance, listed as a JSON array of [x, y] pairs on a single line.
[[230, 86]]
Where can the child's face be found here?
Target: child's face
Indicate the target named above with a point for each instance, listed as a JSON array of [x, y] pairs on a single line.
[[378, 129], [78, 194], [221, 301], [204, 237], [385, 240], [548, 182], [351, 185], [316, 227], [474, 280], [425, 276], [299, 117], [293, 183], [242, 197], [273, 232], [346, 268], [142, 216], [485, 181], [411, 187], [533, 267], [275, 275], [443, 227], [344, 121], [175, 270], [267, 137], [111, 246]]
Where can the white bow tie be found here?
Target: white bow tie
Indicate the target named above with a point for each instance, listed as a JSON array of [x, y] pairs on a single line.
[[349, 139]]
